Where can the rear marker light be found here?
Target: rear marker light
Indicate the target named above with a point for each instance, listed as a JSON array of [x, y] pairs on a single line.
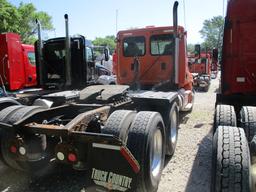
[[60, 156], [13, 149], [22, 150], [72, 157]]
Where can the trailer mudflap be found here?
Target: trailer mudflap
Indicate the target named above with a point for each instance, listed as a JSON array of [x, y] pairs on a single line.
[[112, 168]]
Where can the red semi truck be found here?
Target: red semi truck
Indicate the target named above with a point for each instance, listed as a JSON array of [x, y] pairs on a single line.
[[200, 66], [234, 142], [17, 62]]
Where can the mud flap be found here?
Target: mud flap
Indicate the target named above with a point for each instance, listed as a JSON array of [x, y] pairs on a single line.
[[112, 168]]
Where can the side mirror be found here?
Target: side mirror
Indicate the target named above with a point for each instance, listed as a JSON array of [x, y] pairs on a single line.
[[215, 54], [106, 53], [197, 50]]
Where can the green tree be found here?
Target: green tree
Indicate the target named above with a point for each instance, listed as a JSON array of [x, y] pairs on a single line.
[[27, 26], [21, 20], [9, 17], [190, 48], [212, 32], [106, 41]]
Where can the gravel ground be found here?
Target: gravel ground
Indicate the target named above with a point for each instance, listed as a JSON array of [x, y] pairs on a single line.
[[188, 170]]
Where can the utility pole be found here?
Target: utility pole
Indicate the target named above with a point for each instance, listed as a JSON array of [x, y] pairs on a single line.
[[116, 20]]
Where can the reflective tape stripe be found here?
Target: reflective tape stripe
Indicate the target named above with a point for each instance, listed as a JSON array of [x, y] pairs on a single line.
[[105, 146]]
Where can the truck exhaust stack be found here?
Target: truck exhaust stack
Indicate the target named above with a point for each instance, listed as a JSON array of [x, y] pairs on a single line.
[[39, 48], [68, 52], [176, 43]]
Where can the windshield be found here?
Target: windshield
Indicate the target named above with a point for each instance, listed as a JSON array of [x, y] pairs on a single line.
[[161, 44], [54, 54]]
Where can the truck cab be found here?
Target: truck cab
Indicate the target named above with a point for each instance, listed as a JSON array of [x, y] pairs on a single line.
[[52, 68], [17, 63], [146, 56], [200, 66]]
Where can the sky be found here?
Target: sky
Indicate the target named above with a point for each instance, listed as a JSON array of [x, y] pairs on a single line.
[[99, 18]]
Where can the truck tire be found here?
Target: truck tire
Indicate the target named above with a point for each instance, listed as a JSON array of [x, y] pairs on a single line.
[[8, 111], [172, 130], [230, 161], [11, 118], [192, 100], [118, 124], [7, 102], [22, 112], [146, 140], [248, 121], [4, 114], [224, 115]]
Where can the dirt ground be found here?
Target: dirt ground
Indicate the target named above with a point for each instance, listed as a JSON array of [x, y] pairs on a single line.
[[188, 170]]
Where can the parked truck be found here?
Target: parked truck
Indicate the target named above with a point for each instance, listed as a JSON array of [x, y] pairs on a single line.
[[17, 63], [120, 133], [234, 140], [201, 66]]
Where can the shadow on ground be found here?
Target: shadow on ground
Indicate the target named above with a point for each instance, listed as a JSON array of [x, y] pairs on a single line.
[[200, 176], [59, 180]]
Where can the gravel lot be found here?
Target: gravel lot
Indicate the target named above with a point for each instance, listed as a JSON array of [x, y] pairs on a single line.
[[188, 170]]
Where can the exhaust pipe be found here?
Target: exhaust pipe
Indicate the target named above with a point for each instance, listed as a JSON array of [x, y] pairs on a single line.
[[40, 52], [176, 43], [68, 53], [175, 18]]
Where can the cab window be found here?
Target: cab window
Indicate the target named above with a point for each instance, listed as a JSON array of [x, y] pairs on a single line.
[[134, 46], [161, 44], [32, 58], [89, 55]]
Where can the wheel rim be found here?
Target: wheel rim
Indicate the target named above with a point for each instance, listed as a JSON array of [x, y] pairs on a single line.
[[156, 153], [173, 128]]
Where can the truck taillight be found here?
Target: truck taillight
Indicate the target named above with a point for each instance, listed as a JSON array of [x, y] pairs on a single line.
[[66, 153], [13, 149], [22, 150], [72, 157], [60, 156]]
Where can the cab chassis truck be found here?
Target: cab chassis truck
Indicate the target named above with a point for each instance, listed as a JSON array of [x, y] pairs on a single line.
[[234, 140], [120, 136]]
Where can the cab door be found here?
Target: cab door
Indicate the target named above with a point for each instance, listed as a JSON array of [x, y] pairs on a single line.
[[29, 65]]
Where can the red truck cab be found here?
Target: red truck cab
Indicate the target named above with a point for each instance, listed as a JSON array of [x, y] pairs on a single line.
[[154, 55], [200, 67], [17, 62]]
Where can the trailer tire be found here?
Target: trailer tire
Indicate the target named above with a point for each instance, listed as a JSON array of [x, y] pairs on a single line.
[[224, 115], [248, 121], [172, 130], [230, 160], [146, 142], [118, 124]]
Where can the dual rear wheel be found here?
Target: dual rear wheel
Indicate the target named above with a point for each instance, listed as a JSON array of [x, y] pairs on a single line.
[[233, 149], [148, 139]]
